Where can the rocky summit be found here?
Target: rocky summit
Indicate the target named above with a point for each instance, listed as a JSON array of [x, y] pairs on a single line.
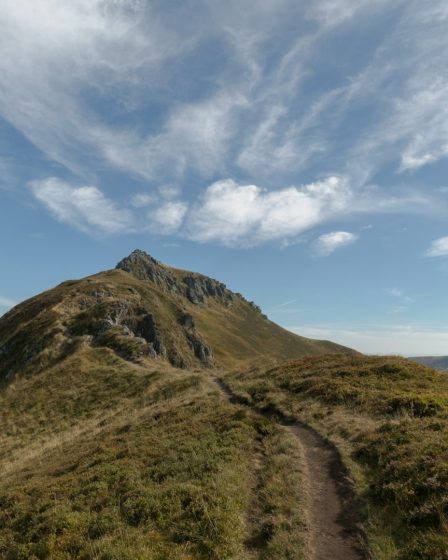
[[195, 287], [144, 310]]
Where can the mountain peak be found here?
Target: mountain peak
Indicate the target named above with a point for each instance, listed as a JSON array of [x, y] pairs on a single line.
[[146, 268], [136, 258], [144, 310], [197, 288]]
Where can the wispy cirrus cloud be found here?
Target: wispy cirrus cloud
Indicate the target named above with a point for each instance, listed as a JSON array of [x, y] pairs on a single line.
[[399, 295], [401, 300], [236, 91], [77, 56], [83, 207], [438, 248]]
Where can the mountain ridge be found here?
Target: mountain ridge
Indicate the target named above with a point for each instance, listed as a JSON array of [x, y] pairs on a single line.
[[436, 362], [107, 450], [145, 310]]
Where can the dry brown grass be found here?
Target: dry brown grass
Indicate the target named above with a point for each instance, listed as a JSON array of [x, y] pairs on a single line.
[[107, 453], [110, 460], [389, 419], [48, 327]]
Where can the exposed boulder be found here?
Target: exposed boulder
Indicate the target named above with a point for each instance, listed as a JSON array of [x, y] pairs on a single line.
[[147, 328], [194, 291], [187, 321], [202, 351]]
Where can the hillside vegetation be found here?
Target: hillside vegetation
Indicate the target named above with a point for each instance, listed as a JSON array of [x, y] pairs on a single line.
[[389, 418], [145, 311], [115, 443], [102, 459]]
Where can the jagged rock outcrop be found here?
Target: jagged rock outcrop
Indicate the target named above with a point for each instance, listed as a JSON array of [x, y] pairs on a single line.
[[200, 349], [148, 329], [148, 269], [123, 326], [199, 288], [144, 310], [187, 321], [195, 287]]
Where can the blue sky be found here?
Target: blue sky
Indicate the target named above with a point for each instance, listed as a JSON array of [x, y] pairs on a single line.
[[296, 150]]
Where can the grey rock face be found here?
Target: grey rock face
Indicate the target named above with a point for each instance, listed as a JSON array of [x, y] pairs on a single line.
[[148, 329], [187, 321], [195, 287], [146, 268], [200, 349], [114, 322], [199, 288]]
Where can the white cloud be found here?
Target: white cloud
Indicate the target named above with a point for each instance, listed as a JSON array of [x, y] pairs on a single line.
[[244, 215], [335, 12], [140, 200], [247, 215], [74, 75], [227, 212], [85, 208], [329, 242], [438, 248], [168, 217], [407, 340], [58, 55]]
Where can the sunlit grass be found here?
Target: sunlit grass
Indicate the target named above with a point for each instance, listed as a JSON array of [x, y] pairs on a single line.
[[389, 418], [104, 459]]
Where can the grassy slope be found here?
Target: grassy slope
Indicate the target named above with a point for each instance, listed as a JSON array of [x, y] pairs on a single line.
[[108, 454], [50, 325], [241, 334], [103, 459], [389, 418]]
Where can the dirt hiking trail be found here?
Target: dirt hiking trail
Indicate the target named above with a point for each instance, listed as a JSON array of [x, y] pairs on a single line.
[[332, 512]]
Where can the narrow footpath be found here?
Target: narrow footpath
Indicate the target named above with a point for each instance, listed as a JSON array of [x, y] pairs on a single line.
[[333, 515]]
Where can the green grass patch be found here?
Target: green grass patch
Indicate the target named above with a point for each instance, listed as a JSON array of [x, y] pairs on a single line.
[[389, 418]]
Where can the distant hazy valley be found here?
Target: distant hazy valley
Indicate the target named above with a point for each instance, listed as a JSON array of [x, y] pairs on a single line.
[[436, 362]]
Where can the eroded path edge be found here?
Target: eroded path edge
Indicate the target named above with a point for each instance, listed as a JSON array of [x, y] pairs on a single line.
[[334, 518]]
